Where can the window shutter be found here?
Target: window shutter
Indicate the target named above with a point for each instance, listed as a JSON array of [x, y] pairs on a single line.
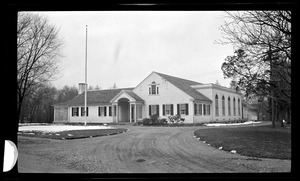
[[77, 111], [72, 111], [164, 109], [149, 110], [99, 112], [178, 111], [150, 90], [157, 110], [186, 109], [172, 110], [87, 111], [105, 111], [195, 109]]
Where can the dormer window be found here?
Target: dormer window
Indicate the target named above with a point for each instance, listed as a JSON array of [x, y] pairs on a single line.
[[153, 88]]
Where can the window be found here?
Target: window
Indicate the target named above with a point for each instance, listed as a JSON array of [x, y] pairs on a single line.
[[75, 111], [153, 88], [183, 109], [153, 109], [115, 110], [239, 107], [139, 112], [168, 109], [234, 107], [217, 105], [223, 105], [207, 109], [102, 111], [229, 110], [198, 109], [82, 111], [110, 111]]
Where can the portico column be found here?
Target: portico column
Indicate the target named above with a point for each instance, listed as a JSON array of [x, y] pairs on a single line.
[[135, 112], [117, 113], [130, 112]]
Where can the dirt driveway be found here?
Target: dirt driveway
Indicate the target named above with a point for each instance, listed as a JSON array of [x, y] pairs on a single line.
[[139, 150]]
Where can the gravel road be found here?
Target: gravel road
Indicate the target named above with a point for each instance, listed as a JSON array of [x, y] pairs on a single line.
[[139, 150]]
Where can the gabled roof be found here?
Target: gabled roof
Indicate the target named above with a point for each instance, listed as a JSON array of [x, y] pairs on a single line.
[[133, 95], [185, 86], [94, 97], [128, 93]]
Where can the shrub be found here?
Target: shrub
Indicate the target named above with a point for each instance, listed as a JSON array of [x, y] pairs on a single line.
[[154, 119], [162, 121], [139, 122], [146, 121]]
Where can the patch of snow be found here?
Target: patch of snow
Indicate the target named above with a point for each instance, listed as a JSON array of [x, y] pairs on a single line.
[[233, 151], [220, 148], [232, 124], [59, 128]]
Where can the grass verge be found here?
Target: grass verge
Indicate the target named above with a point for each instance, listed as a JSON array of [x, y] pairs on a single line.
[[260, 141], [74, 134]]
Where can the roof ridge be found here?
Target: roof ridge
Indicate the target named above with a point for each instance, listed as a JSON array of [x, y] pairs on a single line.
[[190, 81], [112, 89], [185, 86]]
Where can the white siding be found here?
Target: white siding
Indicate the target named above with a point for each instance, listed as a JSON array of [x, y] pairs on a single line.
[[211, 92], [168, 94], [92, 115]]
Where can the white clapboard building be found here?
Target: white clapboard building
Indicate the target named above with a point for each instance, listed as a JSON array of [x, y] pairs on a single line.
[[158, 93]]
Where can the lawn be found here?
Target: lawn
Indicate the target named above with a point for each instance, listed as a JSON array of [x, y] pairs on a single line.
[[258, 141], [73, 134]]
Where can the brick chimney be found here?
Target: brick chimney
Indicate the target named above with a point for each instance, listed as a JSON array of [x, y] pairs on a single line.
[[81, 88]]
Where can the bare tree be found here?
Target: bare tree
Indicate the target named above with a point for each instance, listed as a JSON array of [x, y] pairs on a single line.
[[38, 50], [262, 61]]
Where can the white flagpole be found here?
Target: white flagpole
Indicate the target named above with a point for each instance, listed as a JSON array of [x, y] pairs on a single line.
[[85, 93]]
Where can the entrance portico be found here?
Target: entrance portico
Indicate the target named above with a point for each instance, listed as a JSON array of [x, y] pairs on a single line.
[[127, 107]]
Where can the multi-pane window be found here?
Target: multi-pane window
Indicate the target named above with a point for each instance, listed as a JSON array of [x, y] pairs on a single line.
[[102, 111], [115, 110], [198, 109], [110, 111], [223, 105], [82, 111], [229, 110], [207, 109], [183, 109], [75, 111], [153, 109], [153, 88], [234, 113], [168, 109], [217, 105]]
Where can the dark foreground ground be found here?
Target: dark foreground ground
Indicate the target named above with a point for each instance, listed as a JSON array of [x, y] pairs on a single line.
[[139, 150], [257, 141]]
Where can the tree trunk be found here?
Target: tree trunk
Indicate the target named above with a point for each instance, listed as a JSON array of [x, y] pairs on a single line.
[[272, 114]]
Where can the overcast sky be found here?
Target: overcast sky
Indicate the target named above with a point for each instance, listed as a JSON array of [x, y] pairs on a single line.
[[126, 46]]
